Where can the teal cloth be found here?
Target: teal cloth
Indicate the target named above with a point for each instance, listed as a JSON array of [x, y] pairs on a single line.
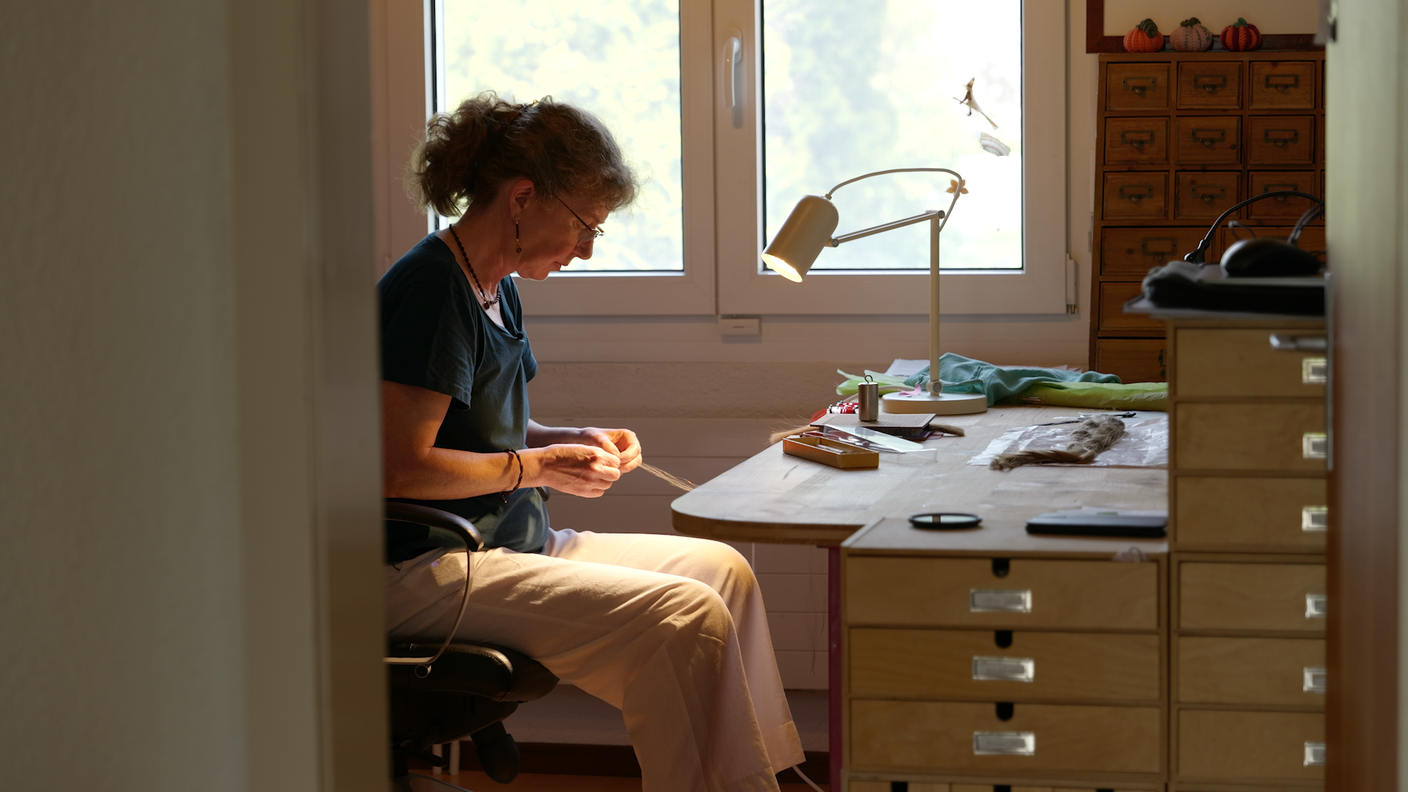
[[965, 375]]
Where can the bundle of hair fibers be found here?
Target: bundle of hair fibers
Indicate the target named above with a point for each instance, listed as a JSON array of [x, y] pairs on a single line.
[[669, 478], [1090, 438]]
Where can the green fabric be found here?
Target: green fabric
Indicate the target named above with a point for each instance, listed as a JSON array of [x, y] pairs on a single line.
[[1014, 385]]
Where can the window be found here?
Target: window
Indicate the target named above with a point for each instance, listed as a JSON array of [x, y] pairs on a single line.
[[735, 110]]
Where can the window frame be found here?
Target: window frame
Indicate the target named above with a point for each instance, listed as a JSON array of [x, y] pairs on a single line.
[[723, 233]]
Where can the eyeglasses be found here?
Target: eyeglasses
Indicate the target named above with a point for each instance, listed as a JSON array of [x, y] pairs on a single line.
[[588, 233]]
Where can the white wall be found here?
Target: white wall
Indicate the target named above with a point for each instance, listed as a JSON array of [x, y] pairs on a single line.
[[188, 475]]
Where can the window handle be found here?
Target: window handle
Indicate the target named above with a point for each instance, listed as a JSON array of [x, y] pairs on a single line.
[[733, 65]]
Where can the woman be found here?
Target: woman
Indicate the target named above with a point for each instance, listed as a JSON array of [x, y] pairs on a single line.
[[669, 629]]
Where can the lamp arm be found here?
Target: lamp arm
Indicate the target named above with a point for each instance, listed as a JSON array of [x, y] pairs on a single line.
[[1198, 254], [951, 204], [919, 218]]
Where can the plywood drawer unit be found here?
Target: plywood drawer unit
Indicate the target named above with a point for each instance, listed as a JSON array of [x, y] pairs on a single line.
[[1248, 523], [1181, 137]]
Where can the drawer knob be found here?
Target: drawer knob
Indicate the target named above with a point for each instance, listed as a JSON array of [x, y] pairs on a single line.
[[1137, 193], [1315, 519], [1209, 137], [1315, 680], [999, 601], [1314, 754], [1282, 82], [1314, 371], [1210, 82], [1281, 137], [1139, 85], [1001, 743], [1317, 606], [1315, 445], [1138, 138], [1004, 669]]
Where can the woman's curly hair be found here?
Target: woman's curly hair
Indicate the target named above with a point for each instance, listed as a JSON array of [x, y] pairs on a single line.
[[468, 154]]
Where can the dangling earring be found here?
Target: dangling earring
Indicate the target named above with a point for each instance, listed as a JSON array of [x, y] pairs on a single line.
[[517, 246]]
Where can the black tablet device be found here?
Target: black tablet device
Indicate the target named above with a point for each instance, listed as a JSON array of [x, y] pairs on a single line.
[[1098, 524]]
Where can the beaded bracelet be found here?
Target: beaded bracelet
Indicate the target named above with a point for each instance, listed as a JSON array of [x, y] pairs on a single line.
[[515, 487]]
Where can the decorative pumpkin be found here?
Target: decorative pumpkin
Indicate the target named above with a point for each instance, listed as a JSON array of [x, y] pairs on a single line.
[[1191, 36], [1144, 38], [1241, 36]]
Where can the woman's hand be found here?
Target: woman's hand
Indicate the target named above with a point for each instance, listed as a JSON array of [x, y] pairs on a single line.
[[620, 443], [573, 468]]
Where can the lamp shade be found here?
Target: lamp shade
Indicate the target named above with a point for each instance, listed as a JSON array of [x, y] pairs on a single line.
[[800, 240]]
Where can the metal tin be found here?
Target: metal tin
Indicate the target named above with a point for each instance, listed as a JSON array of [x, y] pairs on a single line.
[[869, 393]]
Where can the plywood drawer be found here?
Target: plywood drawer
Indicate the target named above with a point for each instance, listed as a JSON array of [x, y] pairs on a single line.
[[1252, 671], [1281, 140], [1136, 196], [1035, 593], [1215, 86], [1136, 141], [1283, 85], [1203, 195], [972, 665], [1113, 319], [1251, 597], [926, 736], [1264, 514], [1287, 208], [1132, 252], [1248, 746], [1242, 363], [1270, 437], [1131, 359], [1209, 140], [1136, 86]]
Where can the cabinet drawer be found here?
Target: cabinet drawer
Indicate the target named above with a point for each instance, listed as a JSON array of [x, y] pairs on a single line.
[[1286, 208], [1113, 296], [1136, 86], [1272, 437], [1132, 252], [1284, 85], [1136, 141], [1216, 85], [1237, 362], [1203, 195], [1131, 359], [1251, 597], [1265, 514], [1255, 671], [974, 665], [1212, 140], [1136, 196], [1247, 746], [947, 736], [1281, 140], [1035, 593]]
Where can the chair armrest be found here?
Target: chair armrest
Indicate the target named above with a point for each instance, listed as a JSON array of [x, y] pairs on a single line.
[[436, 518]]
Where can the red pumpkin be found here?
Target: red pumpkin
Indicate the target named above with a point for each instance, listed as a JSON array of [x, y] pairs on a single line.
[[1241, 36], [1144, 38], [1191, 36]]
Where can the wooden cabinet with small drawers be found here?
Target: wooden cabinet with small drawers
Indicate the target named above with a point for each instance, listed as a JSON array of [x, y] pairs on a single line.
[[1182, 137], [1247, 522]]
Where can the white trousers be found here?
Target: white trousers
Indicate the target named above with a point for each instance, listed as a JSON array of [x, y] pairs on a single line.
[[669, 629]]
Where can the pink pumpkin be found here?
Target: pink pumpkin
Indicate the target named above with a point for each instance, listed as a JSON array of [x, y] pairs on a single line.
[[1144, 38], [1191, 36]]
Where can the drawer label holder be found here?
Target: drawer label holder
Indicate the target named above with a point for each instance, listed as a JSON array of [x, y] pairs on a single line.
[[1314, 754], [1011, 743], [1317, 606], [1004, 669], [1316, 680], [1315, 519], [999, 601], [1315, 445]]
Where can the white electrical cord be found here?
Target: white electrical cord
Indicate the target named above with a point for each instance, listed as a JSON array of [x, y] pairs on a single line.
[[798, 770]]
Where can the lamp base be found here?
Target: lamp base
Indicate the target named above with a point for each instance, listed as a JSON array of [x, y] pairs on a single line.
[[936, 403]]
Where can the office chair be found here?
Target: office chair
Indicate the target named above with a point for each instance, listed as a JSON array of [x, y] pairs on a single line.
[[441, 694]]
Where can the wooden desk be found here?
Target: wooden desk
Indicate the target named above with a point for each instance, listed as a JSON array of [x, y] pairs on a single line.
[[777, 498]]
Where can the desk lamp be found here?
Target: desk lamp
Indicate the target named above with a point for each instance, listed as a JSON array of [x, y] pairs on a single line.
[[808, 229]]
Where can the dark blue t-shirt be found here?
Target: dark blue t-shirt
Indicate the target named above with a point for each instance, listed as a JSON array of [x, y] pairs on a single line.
[[434, 335]]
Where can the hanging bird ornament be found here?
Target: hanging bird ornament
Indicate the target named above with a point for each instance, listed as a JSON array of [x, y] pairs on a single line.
[[972, 104]]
